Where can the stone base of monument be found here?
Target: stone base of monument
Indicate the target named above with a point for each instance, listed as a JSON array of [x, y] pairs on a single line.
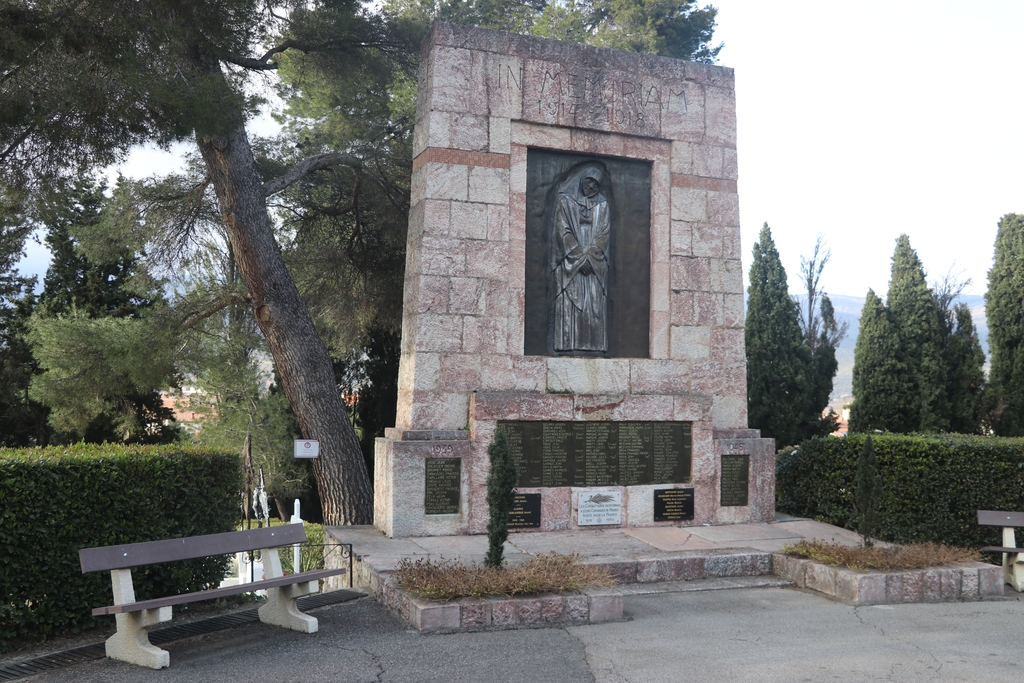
[[974, 581]]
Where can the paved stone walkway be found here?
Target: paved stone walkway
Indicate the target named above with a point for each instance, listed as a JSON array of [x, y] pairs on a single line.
[[382, 554]]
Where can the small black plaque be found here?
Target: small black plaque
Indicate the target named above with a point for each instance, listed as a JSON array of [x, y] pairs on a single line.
[[735, 480], [673, 505], [525, 513], [624, 453], [443, 486]]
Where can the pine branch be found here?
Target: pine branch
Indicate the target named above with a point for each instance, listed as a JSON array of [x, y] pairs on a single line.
[[307, 166], [218, 304]]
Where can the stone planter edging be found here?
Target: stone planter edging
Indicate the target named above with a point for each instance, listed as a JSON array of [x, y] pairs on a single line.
[[974, 581], [496, 613]]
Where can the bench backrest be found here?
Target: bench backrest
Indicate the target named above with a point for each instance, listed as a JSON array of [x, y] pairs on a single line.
[[1000, 518], [155, 552]]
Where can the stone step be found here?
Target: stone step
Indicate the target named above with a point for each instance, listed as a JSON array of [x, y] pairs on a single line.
[[688, 565], [713, 584]]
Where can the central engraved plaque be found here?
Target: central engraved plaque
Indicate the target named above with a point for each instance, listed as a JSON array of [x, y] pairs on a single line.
[[599, 453]]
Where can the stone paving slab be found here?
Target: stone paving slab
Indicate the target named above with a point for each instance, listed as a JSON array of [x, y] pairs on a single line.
[[671, 538], [819, 531], [738, 534], [603, 543], [466, 548]]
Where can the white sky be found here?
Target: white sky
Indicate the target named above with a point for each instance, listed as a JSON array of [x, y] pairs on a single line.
[[861, 121], [866, 120]]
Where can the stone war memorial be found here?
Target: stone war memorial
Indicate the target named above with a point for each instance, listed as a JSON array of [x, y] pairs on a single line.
[[573, 277]]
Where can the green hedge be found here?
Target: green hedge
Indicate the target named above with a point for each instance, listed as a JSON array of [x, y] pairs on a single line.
[[932, 486], [54, 501]]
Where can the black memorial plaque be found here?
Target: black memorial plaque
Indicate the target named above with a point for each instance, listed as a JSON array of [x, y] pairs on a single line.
[[673, 505], [627, 453], [443, 486], [525, 512], [735, 480]]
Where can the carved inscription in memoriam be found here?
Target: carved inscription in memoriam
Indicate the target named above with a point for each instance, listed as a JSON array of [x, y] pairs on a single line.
[[735, 480], [599, 453], [603, 99], [525, 512], [443, 486], [673, 505]]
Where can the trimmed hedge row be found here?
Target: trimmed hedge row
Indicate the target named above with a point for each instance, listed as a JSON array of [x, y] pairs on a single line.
[[932, 486], [54, 501]]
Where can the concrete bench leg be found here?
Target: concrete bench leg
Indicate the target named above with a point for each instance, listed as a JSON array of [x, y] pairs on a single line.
[[280, 609], [131, 642], [1013, 563]]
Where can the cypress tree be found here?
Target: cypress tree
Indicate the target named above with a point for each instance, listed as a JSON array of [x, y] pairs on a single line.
[[1004, 308], [915, 317], [501, 491], [878, 368], [868, 492], [965, 376], [777, 359]]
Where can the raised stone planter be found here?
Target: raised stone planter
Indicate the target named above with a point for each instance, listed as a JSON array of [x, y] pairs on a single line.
[[590, 606], [497, 613], [974, 581]]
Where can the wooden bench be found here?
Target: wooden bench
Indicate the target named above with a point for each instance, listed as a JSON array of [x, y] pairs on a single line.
[[131, 642], [1013, 557]]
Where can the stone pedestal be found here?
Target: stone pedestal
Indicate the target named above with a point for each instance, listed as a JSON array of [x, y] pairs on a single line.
[[485, 100]]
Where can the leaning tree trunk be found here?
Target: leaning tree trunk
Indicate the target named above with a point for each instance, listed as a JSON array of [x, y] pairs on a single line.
[[307, 374]]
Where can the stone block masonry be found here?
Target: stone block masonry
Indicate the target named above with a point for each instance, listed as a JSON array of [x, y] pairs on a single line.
[[485, 99]]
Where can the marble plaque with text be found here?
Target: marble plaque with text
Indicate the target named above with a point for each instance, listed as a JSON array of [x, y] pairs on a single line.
[[599, 507]]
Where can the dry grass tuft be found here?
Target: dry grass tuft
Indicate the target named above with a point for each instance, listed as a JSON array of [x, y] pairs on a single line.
[[449, 579], [897, 557]]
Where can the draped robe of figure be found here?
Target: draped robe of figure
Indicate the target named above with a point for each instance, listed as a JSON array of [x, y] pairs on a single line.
[[582, 234]]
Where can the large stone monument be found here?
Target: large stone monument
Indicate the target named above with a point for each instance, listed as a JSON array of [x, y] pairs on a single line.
[[573, 275]]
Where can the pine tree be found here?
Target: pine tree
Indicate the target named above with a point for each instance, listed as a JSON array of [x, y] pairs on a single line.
[[1004, 308], [81, 292], [777, 359], [881, 395], [22, 420]]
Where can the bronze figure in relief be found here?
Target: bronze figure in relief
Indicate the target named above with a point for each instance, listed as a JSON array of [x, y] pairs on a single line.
[[580, 263]]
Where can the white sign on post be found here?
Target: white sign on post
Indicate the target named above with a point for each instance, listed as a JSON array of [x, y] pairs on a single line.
[[307, 448]]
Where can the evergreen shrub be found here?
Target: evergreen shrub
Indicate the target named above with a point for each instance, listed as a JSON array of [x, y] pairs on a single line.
[[57, 500], [932, 485]]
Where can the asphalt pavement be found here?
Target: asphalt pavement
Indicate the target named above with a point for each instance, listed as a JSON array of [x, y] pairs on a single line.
[[732, 636]]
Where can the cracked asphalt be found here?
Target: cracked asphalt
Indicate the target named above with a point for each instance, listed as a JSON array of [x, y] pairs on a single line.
[[763, 635]]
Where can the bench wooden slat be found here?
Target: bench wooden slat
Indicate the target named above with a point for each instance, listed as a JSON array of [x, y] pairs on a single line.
[[1001, 549], [214, 593], [1000, 518], [157, 552]]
